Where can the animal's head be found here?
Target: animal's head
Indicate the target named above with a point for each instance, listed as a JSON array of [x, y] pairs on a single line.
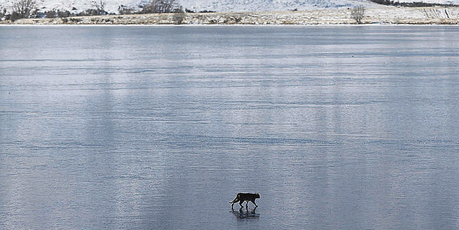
[[257, 195]]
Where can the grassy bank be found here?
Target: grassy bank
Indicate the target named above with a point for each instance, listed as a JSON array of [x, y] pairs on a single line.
[[378, 15]]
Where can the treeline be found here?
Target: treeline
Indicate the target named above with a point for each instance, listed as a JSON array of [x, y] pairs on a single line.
[[409, 4], [154, 6], [29, 9]]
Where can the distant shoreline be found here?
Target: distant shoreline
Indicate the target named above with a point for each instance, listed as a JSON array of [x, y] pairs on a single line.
[[373, 15]]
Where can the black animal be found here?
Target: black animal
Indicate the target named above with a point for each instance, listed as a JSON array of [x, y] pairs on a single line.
[[241, 197]]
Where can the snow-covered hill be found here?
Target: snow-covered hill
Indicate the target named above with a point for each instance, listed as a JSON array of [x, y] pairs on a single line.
[[265, 5], [200, 5], [214, 5]]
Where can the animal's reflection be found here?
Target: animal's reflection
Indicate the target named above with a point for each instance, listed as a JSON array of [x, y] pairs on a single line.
[[245, 213]]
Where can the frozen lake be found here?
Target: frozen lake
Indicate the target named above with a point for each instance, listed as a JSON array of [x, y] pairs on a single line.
[[159, 127]]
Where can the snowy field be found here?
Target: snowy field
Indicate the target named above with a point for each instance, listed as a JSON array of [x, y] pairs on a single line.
[[215, 5]]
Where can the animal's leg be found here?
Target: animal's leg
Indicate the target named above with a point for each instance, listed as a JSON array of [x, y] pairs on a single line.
[[247, 205], [240, 203], [254, 203]]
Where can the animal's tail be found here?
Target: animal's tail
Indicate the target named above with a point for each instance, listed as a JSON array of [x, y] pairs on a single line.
[[234, 201]]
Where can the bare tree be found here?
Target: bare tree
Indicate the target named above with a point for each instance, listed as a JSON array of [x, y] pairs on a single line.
[[179, 15], [24, 8], [357, 13], [160, 6], [100, 6], [2, 12]]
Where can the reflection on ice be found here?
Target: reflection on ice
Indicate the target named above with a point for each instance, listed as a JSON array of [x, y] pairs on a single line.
[[245, 213]]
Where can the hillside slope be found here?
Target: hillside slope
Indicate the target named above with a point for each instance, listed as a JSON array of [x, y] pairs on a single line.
[[215, 5], [266, 5]]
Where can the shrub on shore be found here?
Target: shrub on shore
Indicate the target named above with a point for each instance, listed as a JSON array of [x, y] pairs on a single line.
[[357, 13]]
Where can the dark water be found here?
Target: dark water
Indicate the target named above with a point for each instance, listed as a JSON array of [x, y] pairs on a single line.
[[159, 127]]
